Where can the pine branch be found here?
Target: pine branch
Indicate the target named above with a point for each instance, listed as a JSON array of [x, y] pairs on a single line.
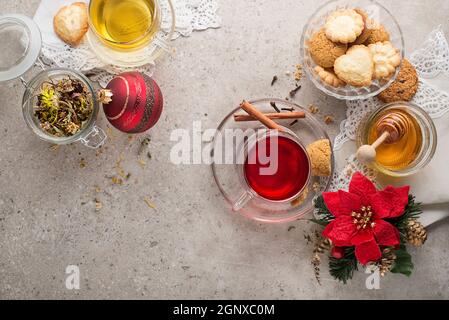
[[325, 216], [343, 269], [403, 262], [412, 211]]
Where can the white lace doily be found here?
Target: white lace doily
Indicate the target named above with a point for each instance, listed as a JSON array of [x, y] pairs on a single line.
[[191, 15], [430, 60]]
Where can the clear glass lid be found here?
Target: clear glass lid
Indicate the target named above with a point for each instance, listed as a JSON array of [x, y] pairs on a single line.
[[21, 44]]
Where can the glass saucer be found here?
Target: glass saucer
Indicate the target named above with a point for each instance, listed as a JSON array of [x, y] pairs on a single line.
[[138, 57], [227, 177]]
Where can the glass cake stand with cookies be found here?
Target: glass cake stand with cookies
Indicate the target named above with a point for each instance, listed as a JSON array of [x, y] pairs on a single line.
[[352, 49]]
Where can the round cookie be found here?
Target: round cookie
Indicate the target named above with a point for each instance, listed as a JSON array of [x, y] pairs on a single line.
[[344, 26], [404, 87], [366, 33], [323, 51], [386, 59], [378, 34], [328, 76]]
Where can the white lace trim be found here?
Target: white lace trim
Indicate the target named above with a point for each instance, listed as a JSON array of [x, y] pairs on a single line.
[[433, 57], [191, 15], [340, 180]]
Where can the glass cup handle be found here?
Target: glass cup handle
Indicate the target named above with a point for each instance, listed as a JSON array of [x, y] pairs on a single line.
[[162, 43], [241, 202], [95, 139]]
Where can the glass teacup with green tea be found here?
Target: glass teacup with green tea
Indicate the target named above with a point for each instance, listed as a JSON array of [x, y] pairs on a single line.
[[125, 24]]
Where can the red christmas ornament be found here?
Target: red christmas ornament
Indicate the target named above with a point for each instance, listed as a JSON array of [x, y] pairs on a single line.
[[132, 102], [359, 217]]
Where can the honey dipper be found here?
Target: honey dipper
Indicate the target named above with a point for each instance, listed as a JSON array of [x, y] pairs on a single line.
[[390, 129]]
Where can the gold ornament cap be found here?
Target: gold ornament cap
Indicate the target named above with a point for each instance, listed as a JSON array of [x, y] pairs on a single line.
[[105, 96]]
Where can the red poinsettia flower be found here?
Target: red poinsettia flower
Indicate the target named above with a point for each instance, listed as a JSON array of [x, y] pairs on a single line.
[[359, 216]]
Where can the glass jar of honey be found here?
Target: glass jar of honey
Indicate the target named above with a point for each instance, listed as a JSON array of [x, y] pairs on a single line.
[[412, 151]]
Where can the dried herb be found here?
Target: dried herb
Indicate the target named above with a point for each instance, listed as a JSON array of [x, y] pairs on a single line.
[[83, 163], [142, 163], [63, 107], [144, 143], [275, 78], [294, 91], [298, 72], [275, 107], [98, 205], [149, 203], [117, 181], [328, 120], [313, 109]]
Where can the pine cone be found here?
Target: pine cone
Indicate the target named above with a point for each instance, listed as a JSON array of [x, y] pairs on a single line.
[[316, 261], [387, 261], [322, 245], [416, 233]]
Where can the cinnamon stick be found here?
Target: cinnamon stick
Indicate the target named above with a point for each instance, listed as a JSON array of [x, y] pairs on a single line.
[[255, 113], [272, 116]]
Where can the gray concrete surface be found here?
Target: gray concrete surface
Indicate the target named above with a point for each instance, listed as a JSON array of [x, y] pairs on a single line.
[[190, 246]]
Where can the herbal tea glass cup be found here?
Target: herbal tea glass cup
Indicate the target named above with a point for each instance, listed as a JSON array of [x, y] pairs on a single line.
[[22, 42], [428, 132], [141, 51], [242, 154], [141, 40]]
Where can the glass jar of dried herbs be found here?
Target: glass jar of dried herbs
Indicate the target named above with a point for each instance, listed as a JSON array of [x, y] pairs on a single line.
[[61, 107]]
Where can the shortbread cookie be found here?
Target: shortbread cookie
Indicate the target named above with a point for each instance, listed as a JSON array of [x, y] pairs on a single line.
[[366, 33], [356, 67], [404, 87], [320, 154], [378, 33], [71, 23], [344, 26], [386, 59], [323, 51], [328, 76]]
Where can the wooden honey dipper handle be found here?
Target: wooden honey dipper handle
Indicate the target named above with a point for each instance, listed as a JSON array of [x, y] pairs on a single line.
[[254, 112], [390, 129], [386, 135]]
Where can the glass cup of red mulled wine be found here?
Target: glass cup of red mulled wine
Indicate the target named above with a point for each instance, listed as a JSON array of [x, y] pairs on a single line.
[[229, 174], [276, 168]]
